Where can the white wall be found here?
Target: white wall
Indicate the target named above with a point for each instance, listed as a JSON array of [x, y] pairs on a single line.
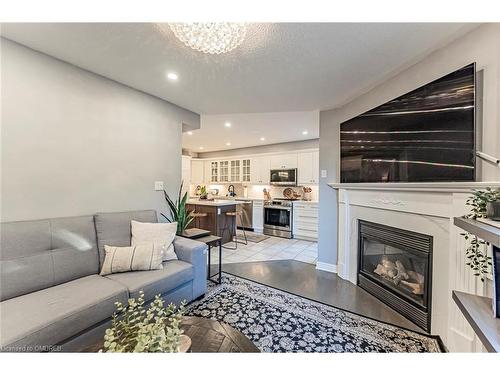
[[74, 143], [481, 46]]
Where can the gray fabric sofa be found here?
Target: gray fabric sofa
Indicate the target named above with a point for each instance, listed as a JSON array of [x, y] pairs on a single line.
[[52, 296]]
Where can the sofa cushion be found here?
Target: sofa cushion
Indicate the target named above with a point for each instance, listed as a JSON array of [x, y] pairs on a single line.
[[42, 253], [132, 258], [113, 229], [161, 234], [52, 315], [173, 274]]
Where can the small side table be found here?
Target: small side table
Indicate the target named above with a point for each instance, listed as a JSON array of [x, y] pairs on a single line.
[[213, 241]]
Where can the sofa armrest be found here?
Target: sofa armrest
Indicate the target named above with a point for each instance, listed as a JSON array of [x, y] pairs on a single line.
[[194, 252]]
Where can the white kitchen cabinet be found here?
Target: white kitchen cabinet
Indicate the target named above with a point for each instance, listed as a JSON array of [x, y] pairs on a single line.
[[259, 172], [284, 161], [308, 167], [224, 171], [197, 171], [305, 221], [235, 175], [214, 172], [258, 216], [246, 170]]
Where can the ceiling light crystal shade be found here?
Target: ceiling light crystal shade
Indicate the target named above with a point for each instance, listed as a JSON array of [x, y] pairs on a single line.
[[210, 37]]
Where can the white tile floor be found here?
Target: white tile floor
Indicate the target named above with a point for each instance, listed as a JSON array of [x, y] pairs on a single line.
[[273, 248]]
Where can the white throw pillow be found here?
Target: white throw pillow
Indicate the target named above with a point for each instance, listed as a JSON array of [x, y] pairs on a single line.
[[131, 258], [160, 234]]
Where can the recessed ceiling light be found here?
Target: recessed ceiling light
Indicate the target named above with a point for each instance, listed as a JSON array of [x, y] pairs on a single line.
[[227, 124], [262, 139], [201, 147], [305, 132], [172, 76], [228, 143], [190, 133]]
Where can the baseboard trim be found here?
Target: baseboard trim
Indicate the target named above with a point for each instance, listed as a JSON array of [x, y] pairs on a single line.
[[322, 266]]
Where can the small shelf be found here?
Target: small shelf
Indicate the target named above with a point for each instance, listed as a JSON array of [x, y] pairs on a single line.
[[479, 313], [485, 231]]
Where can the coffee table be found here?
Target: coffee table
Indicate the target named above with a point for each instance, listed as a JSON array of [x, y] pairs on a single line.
[[211, 336], [207, 336]]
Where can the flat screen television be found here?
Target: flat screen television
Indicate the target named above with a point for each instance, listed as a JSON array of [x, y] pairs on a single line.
[[426, 135]]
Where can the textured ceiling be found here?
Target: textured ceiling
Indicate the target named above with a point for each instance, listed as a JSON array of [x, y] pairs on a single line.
[[279, 67]]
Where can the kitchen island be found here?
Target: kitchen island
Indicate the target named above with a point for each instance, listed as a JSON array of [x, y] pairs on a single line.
[[216, 218]]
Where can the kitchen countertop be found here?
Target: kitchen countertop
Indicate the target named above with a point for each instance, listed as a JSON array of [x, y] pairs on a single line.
[[214, 203]]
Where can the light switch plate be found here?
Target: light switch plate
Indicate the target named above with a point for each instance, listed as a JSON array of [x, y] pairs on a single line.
[[158, 185], [323, 173]]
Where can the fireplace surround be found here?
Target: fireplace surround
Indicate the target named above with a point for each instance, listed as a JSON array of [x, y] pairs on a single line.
[[395, 265], [424, 208]]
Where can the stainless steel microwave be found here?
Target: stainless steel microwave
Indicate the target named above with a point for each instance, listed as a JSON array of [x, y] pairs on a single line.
[[284, 177]]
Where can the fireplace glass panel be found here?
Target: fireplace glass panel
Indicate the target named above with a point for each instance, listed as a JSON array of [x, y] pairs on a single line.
[[403, 271]]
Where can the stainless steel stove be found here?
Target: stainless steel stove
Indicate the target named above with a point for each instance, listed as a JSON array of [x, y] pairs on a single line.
[[278, 217]]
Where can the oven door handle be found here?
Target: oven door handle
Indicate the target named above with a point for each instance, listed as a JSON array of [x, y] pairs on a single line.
[[279, 208]]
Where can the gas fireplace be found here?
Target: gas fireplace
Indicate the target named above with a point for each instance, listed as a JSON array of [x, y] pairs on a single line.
[[395, 265]]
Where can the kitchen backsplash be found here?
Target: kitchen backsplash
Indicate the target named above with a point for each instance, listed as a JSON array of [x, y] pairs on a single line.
[[256, 191]]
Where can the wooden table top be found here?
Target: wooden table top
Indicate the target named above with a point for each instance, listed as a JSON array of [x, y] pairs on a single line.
[[209, 239], [211, 336], [195, 233], [207, 336]]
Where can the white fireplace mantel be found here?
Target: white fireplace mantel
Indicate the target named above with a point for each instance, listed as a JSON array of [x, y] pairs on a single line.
[[444, 187], [425, 208]]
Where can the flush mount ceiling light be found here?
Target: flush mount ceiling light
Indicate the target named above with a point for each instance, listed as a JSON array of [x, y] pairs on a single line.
[[172, 76], [228, 143], [227, 124], [190, 133], [305, 132], [262, 139], [210, 37]]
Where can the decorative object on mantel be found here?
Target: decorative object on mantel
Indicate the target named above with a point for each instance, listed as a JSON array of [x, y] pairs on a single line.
[[476, 252], [135, 329], [178, 212], [489, 234], [306, 193]]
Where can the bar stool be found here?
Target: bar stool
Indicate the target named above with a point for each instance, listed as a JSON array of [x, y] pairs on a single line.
[[232, 229], [197, 216]]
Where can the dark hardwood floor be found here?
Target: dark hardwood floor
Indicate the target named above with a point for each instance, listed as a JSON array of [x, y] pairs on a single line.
[[304, 280]]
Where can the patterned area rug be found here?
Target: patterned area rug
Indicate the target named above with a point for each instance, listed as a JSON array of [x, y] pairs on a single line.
[[277, 321]]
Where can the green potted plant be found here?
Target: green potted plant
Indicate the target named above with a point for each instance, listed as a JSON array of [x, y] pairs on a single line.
[[476, 251], [137, 329], [178, 211], [203, 192]]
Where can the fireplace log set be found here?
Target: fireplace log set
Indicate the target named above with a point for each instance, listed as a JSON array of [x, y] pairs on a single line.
[[398, 274]]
